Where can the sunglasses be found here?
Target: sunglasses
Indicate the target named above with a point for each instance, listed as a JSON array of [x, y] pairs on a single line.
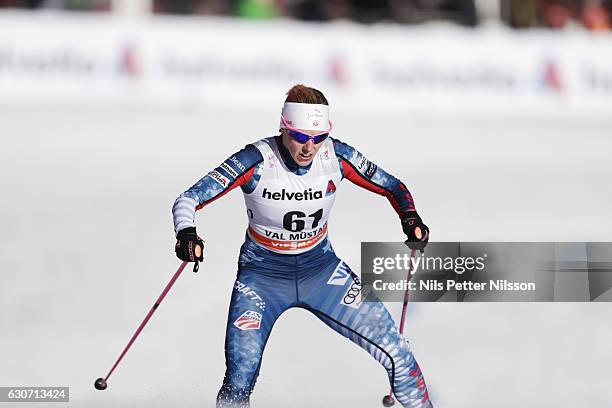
[[302, 137]]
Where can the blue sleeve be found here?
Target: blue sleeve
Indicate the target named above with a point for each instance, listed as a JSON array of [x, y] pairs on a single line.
[[361, 171], [236, 171]]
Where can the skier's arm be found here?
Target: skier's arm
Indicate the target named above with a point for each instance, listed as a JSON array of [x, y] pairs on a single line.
[[359, 170], [364, 173], [236, 171]]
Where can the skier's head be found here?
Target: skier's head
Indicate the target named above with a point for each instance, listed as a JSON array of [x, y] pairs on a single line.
[[304, 123]]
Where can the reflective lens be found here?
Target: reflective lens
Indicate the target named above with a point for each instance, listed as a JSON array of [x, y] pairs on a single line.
[[304, 138]]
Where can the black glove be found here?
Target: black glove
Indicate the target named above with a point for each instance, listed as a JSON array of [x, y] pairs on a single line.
[[410, 221], [186, 241]]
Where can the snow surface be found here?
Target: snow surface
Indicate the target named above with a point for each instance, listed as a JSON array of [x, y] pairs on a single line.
[[87, 246]]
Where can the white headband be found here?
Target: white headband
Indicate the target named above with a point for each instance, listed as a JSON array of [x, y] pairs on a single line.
[[307, 116]]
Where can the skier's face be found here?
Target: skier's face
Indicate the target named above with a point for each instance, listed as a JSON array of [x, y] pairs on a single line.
[[302, 153]]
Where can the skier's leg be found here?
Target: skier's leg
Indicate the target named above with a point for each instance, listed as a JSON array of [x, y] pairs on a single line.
[[335, 297], [257, 301]]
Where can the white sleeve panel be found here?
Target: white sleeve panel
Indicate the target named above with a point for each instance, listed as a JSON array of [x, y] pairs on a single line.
[[183, 213]]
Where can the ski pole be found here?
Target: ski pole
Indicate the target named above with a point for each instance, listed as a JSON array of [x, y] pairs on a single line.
[[101, 383], [388, 400]]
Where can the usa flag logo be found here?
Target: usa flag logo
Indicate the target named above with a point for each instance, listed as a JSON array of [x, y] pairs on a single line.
[[249, 320]]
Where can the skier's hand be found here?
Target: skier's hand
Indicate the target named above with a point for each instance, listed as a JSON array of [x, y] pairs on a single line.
[[415, 230], [189, 246]]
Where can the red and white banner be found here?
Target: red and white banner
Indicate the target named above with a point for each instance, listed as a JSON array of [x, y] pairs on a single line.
[[221, 62]]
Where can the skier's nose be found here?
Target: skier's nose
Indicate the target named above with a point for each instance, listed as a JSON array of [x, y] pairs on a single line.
[[309, 146]]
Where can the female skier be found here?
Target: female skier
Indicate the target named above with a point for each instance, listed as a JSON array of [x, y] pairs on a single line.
[[289, 184]]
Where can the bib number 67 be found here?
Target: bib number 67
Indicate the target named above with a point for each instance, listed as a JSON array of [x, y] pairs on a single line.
[[294, 220]]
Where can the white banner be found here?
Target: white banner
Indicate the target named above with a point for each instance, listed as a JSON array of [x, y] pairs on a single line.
[[214, 61]]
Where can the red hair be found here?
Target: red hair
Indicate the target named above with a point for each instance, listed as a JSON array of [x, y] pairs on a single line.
[[305, 94]]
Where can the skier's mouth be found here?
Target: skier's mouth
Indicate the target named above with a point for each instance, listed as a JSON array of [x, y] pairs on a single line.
[[304, 157]]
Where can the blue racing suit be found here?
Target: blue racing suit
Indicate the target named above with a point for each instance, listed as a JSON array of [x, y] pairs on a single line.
[[269, 282]]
